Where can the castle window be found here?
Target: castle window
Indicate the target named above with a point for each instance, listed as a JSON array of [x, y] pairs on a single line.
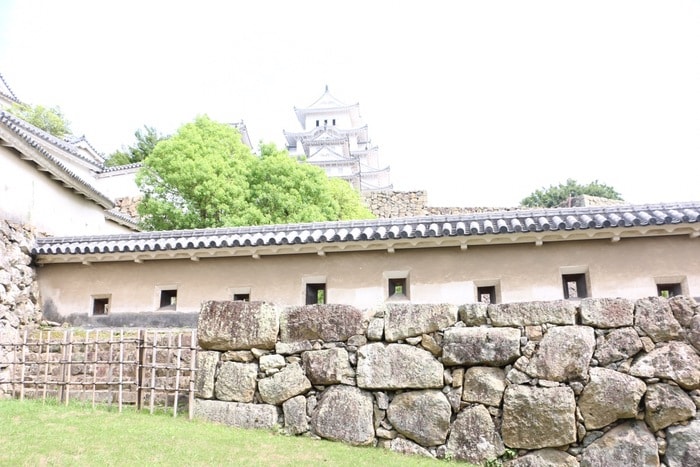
[[100, 305], [574, 285], [241, 297], [398, 287], [316, 122], [315, 294], [168, 298], [334, 122], [486, 294]]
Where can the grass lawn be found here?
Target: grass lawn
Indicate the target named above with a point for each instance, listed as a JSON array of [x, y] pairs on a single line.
[[36, 434]]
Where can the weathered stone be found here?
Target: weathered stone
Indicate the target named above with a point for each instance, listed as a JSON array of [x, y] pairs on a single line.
[[457, 377], [473, 314], [607, 312], [291, 348], [618, 344], [676, 361], [423, 416], [206, 373], [533, 313], [473, 436], [241, 356], [609, 396], [407, 447], [237, 325], [480, 346], [402, 320], [654, 316], [329, 323], [344, 413], [270, 362], [517, 377], [329, 366], [357, 341], [683, 448], [397, 366], [295, 420], [630, 444], [236, 382], [375, 330], [665, 405], [484, 385], [237, 414], [693, 332], [683, 309], [430, 344], [535, 417], [564, 354], [281, 386], [386, 434], [544, 458]]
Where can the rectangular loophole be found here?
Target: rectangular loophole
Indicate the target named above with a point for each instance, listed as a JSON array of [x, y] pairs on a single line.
[[669, 290], [100, 306], [241, 297], [486, 294], [398, 287], [168, 298], [315, 294], [574, 285]]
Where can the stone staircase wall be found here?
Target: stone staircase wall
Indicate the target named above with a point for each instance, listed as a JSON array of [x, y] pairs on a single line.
[[590, 382]]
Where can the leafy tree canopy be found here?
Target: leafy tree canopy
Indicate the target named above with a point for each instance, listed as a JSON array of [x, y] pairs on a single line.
[[51, 120], [556, 195], [146, 140], [204, 176]]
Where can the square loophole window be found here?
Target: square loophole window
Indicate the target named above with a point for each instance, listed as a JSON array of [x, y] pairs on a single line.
[[168, 298], [486, 294], [669, 290], [574, 285], [315, 294], [100, 306]]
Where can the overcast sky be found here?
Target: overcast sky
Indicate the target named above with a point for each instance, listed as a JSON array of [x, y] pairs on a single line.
[[479, 103]]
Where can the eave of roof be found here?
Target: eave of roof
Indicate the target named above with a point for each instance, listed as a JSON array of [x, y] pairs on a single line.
[[31, 148], [536, 226]]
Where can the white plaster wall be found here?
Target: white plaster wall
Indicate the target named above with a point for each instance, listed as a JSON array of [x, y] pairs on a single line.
[[524, 272], [119, 185], [30, 196]]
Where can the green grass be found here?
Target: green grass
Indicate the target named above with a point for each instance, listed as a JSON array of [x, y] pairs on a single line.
[[32, 433]]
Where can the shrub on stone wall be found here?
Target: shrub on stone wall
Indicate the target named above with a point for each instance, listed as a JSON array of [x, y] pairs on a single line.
[[622, 388]]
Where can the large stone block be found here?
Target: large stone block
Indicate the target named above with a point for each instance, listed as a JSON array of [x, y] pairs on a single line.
[[533, 313], [397, 366], [537, 417], [629, 444], [279, 387], [206, 374], [402, 320], [564, 354], [237, 414], [676, 361], [344, 413], [666, 404], [544, 458], [609, 396], [683, 449], [328, 366], [618, 344], [237, 325], [607, 312], [484, 384], [329, 323], [473, 437], [655, 317], [295, 419], [480, 346], [236, 382], [423, 416]]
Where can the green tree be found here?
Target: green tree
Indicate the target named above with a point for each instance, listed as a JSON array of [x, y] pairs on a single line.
[[204, 176], [146, 140], [197, 178], [286, 190], [556, 195], [48, 119]]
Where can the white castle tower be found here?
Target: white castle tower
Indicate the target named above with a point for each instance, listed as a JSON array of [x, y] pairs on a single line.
[[335, 138]]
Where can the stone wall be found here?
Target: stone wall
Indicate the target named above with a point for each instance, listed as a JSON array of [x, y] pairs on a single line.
[[18, 290], [566, 383], [390, 204]]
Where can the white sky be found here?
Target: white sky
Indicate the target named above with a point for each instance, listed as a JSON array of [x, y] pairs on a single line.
[[479, 103]]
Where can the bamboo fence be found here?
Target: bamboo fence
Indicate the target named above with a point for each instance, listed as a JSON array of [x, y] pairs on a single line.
[[143, 368]]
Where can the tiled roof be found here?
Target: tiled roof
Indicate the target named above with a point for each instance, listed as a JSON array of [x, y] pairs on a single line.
[[33, 137], [533, 222], [7, 91]]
